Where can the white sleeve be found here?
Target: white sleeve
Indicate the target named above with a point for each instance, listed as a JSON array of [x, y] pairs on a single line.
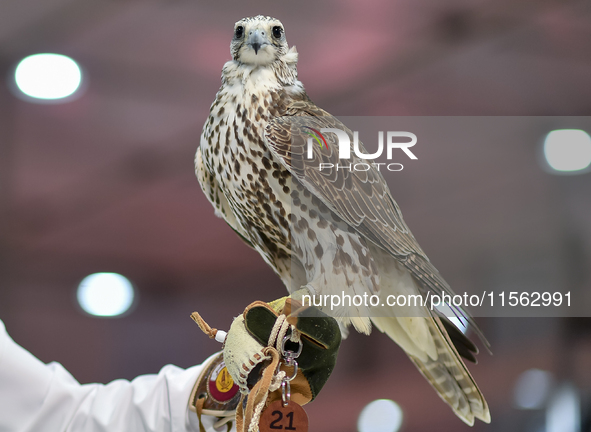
[[35, 397]]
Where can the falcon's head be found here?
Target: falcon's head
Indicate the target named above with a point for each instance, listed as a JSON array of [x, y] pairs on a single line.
[[258, 40]]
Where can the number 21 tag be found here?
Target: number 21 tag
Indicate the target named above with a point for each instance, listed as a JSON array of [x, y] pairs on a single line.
[[290, 417]]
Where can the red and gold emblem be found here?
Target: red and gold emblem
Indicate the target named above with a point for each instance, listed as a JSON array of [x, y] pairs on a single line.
[[221, 386]]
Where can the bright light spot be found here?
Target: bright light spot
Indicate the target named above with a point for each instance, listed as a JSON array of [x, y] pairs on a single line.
[[532, 389], [456, 319], [381, 415], [48, 76], [568, 150], [564, 411], [105, 294]]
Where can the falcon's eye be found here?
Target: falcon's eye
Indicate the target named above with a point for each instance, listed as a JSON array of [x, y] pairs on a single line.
[[277, 31], [239, 32]]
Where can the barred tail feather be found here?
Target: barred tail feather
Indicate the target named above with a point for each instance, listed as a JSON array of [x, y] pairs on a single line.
[[452, 380], [439, 362]]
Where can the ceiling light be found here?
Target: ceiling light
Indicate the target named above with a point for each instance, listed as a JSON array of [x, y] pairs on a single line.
[[568, 151], [564, 411], [48, 77], [105, 294], [382, 415], [532, 389]]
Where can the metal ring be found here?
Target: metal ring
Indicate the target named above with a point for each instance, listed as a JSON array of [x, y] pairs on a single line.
[[295, 371], [295, 355], [285, 392]]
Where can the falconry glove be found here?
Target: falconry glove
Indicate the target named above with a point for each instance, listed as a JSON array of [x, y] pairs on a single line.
[[278, 351]]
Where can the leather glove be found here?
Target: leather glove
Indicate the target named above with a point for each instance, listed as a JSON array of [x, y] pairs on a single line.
[[255, 345]]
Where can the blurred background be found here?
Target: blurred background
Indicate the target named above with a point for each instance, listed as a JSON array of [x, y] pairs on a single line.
[[103, 181]]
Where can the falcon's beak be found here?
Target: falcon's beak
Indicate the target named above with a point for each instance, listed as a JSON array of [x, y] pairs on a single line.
[[257, 39]]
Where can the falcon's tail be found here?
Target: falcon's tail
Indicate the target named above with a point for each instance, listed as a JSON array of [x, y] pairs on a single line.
[[443, 368]]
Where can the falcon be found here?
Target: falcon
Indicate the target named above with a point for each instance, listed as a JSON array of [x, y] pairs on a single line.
[[327, 232]]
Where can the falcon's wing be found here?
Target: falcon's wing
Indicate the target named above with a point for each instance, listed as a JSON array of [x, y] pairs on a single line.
[[360, 198]]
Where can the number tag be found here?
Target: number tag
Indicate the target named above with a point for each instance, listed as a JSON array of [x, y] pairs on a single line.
[[277, 417]]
